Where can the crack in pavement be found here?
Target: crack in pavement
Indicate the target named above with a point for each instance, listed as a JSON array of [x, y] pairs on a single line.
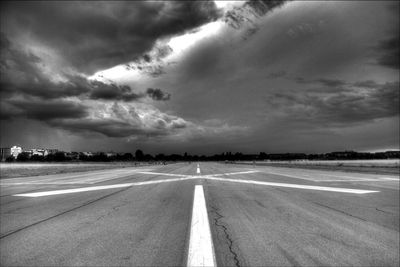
[[341, 211], [385, 211], [227, 236]]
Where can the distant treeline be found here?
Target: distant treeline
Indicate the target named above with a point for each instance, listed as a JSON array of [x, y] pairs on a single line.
[[228, 156]]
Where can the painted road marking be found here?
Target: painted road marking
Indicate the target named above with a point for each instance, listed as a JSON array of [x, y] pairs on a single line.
[[165, 174], [359, 180], [233, 173], [289, 175], [85, 178], [321, 188], [313, 173], [352, 178], [95, 188], [198, 169], [201, 249], [188, 177]]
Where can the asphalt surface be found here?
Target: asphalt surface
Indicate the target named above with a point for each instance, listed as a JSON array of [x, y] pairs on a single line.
[[251, 224]]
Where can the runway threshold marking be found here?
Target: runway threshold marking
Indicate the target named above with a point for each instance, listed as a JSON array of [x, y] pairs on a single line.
[[201, 249]]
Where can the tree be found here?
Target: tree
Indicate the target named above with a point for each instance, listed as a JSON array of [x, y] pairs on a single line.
[[37, 158], [127, 156], [139, 155], [59, 156], [24, 156], [10, 159]]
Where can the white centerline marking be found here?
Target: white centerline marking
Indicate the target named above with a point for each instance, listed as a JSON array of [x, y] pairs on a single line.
[[198, 169], [201, 250], [300, 186]]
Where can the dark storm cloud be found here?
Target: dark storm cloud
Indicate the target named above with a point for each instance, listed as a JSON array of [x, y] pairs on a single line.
[[239, 16], [110, 128], [113, 92], [22, 75], [331, 82], [151, 65], [277, 74], [123, 122], [389, 52], [387, 49], [42, 110], [322, 81], [247, 15], [329, 44], [15, 59], [98, 35], [110, 119], [366, 84], [158, 94], [341, 108]]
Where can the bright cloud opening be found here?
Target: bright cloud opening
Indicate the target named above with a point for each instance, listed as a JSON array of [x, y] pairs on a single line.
[[228, 4]]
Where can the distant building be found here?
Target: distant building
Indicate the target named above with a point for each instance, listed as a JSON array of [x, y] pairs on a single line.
[[39, 152], [88, 154], [15, 151], [52, 150], [73, 155], [111, 154], [28, 152], [5, 152]]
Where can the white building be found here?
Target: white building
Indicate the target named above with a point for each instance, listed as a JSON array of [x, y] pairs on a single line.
[[39, 152], [15, 151]]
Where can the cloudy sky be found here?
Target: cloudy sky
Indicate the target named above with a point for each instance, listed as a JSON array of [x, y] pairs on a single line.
[[203, 77]]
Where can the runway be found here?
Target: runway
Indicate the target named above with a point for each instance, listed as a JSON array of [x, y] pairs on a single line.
[[240, 216]]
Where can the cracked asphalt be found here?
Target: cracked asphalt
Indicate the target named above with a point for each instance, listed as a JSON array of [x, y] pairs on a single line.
[[251, 225]]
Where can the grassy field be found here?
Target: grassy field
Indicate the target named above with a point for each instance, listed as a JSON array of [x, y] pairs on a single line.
[[386, 166], [11, 170]]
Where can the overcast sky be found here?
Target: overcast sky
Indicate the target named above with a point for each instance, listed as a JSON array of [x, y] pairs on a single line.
[[200, 77]]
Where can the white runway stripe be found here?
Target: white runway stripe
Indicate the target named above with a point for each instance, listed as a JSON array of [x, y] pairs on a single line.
[[340, 177], [201, 250], [233, 173], [78, 178], [187, 177], [358, 180], [95, 188], [291, 176], [198, 169], [321, 188], [165, 174]]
